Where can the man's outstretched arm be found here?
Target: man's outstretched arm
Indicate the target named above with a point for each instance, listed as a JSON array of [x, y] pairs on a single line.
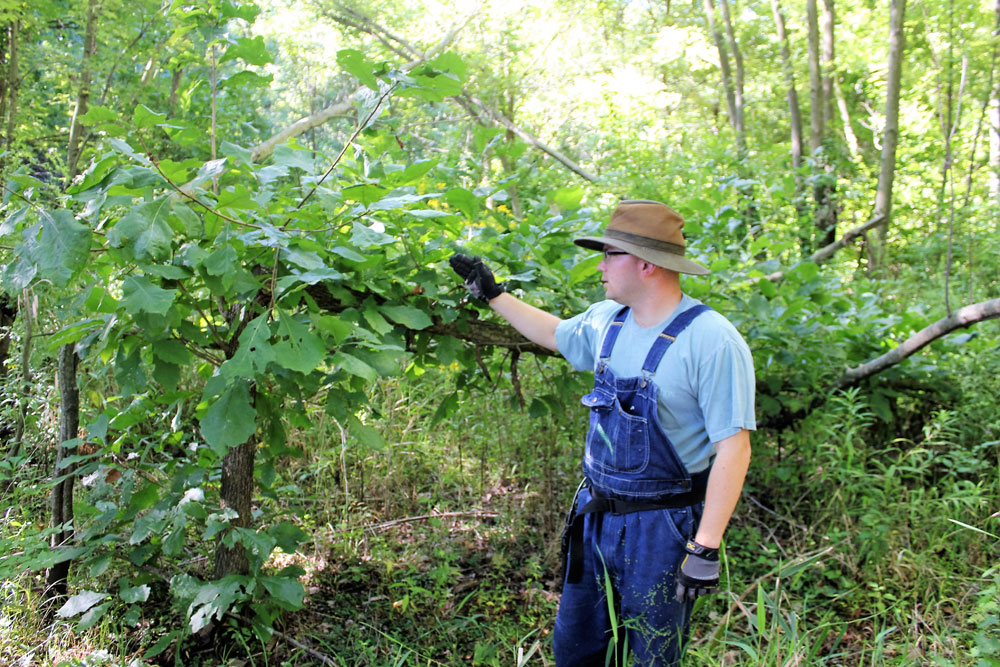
[[534, 324]]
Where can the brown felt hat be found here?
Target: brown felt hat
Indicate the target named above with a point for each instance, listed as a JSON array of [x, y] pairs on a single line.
[[649, 230]]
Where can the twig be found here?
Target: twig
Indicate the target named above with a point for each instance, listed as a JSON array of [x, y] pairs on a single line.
[[474, 514], [302, 647]]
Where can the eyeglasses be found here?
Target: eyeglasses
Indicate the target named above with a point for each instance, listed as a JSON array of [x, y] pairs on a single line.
[[612, 253]]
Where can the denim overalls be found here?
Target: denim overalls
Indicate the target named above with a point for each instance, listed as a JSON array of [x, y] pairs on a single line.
[[630, 521]]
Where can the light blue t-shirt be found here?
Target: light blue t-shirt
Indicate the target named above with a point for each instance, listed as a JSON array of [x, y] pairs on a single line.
[[705, 380]]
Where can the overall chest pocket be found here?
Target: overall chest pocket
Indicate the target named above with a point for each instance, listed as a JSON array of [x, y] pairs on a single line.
[[618, 437]]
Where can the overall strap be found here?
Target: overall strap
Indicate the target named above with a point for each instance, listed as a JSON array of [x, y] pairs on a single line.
[[613, 331], [669, 335]]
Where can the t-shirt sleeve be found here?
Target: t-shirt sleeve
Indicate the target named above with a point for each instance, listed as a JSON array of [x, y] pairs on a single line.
[[726, 389], [577, 337]]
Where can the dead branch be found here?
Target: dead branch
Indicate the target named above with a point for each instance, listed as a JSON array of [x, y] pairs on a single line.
[[960, 319]]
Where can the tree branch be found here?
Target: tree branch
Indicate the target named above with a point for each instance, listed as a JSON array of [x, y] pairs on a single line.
[[827, 251], [960, 319]]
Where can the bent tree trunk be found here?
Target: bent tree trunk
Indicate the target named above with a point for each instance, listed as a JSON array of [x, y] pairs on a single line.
[[61, 501]]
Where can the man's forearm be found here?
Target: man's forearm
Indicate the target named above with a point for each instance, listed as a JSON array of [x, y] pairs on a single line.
[[725, 483], [534, 324]]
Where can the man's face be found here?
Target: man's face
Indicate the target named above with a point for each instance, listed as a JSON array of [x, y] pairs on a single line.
[[618, 269]]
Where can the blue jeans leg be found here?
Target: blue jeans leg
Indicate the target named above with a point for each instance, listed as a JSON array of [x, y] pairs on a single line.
[[641, 552]]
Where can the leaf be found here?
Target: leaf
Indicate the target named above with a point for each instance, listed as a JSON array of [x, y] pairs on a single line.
[[365, 193], [353, 61], [288, 536], [92, 616], [98, 114], [366, 237], [144, 231], [287, 592], [408, 316], [301, 350], [146, 117], [230, 420], [568, 198], [142, 296], [65, 246], [463, 200], [252, 50], [254, 353], [134, 594], [80, 603], [354, 366]]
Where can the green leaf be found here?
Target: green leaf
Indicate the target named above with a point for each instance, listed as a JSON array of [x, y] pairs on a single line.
[[80, 603], [254, 353], [285, 591], [92, 616], [288, 536], [98, 114], [65, 246], [146, 117], [353, 61], [463, 200], [134, 594], [366, 237], [365, 193], [408, 316], [144, 231], [354, 366], [568, 198], [230, 420], [142, 296], [301, 350], [250, 49]]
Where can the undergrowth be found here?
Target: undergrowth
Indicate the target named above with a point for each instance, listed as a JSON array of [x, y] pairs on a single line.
[[850, 546]]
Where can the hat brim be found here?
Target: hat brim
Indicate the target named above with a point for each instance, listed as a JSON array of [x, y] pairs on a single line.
[[666, 260]]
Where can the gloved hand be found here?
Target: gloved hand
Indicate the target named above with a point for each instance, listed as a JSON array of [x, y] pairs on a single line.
[[698, 573], [477, 276]]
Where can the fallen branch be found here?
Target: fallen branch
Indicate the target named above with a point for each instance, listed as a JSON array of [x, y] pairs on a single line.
[[960, 319], [473, 514]]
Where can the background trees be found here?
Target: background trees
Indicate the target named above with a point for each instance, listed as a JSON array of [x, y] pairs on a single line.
[[226, 225]]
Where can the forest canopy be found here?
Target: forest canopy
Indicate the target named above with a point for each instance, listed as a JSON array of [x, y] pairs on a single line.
[[248, 411]]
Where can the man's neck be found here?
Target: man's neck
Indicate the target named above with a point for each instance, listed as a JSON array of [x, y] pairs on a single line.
[[654, 307]]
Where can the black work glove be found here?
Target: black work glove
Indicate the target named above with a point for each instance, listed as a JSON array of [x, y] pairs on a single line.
[[698, 573], [477, 276]]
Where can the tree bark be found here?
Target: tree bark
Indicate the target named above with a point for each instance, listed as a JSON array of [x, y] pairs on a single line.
[[76, 129], [720, 45], [13, 85], [739, 124], [878, 252], [960, 319], [236, 493], [61, 500], [794, 111], [994, 125], [816, 103]]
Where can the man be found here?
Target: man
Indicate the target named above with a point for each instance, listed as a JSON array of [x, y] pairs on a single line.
[[668, 445]]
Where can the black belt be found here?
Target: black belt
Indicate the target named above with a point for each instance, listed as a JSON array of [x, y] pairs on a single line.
[[572, 538]]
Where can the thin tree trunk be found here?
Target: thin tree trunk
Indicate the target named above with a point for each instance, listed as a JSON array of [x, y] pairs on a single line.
[[816, 103], [794, 112], [739, 124], [994, 125], [878, 252], [61, 500], [720, 45], [236, 493], [826, 189], [76, 129], [13, 86]]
